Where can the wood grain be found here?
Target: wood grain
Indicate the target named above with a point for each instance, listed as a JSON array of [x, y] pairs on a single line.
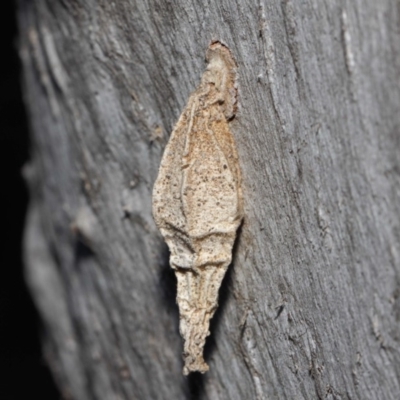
[[310, 307]]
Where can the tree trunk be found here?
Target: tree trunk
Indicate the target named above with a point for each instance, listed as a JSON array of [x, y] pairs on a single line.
[[310, 306]]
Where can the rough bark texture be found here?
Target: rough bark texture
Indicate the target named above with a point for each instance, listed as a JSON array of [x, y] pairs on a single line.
[[310, 307]]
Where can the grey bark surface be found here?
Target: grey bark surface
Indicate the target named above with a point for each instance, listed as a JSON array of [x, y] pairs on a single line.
[[310, 307]]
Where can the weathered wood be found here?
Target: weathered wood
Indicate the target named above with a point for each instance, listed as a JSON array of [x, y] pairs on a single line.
[[311, 305]]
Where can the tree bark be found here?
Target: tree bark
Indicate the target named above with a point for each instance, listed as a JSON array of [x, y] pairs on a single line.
[[310, 307]]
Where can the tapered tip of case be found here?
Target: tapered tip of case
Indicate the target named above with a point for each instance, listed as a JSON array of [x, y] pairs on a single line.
[[195, 365], [195, 338]]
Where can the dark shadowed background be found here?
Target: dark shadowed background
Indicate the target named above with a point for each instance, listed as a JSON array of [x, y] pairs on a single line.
[[24, 373]]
